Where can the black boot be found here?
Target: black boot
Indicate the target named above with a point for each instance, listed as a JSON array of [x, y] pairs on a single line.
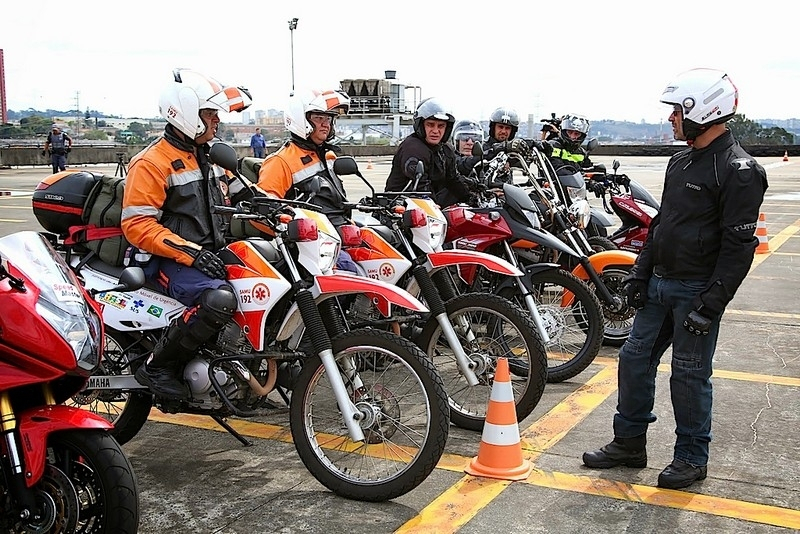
[[162, 374], [630, 452], [680, 474]]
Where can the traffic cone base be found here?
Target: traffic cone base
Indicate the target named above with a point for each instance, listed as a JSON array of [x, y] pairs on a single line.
[[785, 155], [500, 451], [761, 234]]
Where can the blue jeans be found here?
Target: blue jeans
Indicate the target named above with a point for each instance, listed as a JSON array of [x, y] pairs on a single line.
[[657, 326], [59, 162]]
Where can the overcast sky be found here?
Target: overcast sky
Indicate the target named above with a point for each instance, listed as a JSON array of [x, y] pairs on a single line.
[[603, 59]]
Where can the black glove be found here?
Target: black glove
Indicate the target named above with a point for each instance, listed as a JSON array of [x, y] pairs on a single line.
[[697, 323], [520, 146], [209, 264], [543, 146], [68, 150], [636, 293], [622, 179], [44, 153]]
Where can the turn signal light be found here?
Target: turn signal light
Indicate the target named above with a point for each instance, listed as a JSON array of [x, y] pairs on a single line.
[[300, 230], [414, 218], [350, 234]]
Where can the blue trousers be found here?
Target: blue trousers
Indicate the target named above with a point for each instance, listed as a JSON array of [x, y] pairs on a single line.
[[59, 162], [657, 326]]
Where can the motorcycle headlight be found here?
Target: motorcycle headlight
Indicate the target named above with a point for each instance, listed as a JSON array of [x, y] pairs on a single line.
[[577, 193], [81, 329], [580, 213], [328, 254], [438, 230]]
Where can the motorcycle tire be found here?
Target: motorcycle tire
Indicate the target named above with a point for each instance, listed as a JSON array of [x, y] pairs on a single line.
[[493, 327], [576, 332], [88, 486], [617, 324], [406, 418], [126, 410], [600, 243]]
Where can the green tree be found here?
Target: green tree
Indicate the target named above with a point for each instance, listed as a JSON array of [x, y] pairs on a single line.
[[96, 135], [750, 132], [138, 129]]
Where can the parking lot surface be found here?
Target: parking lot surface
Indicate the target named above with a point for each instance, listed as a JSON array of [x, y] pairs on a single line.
[[196, 478]]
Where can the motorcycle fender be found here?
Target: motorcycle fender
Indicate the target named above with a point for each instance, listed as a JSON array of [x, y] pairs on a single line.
[[449, 258], [601, 218], [604, 259], [37, 424], [334, 285], [533, 268]]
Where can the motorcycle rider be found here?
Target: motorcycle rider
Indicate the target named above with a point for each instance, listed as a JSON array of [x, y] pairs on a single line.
[[170, 190], [466, 134], [302, 169], [503, 127], [566, 148], [433, 125], [698, 250]]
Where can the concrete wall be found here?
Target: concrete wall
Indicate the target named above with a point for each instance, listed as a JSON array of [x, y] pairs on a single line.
[[25, 156]]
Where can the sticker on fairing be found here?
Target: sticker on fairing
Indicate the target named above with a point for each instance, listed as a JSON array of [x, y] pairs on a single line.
[[67, 293]]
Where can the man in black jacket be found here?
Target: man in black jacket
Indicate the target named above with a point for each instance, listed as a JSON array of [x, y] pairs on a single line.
[[698, 250], [433, 124]]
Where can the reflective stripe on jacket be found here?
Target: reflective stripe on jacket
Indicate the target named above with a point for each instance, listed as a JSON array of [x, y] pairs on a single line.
[[167, 204]]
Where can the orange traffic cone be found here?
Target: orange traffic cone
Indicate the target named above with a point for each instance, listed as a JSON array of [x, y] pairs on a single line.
[[785, 155], [369, 164], [500, 452], [761, 233]]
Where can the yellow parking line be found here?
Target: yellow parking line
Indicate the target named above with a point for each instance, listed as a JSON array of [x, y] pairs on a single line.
[[775, 243]]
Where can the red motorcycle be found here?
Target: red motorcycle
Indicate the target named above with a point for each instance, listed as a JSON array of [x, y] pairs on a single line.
[[634, 206], [62, 472]]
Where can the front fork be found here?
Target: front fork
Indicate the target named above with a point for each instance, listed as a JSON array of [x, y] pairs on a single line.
[[526, 288]]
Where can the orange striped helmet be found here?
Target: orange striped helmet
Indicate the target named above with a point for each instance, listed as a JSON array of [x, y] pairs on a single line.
[[301, 103], [189, 92]]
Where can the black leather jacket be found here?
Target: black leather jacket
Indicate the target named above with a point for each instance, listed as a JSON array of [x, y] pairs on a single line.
[[705, 229], [440, 176]]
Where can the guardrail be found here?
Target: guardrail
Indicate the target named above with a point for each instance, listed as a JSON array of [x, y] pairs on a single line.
[[20, 156]]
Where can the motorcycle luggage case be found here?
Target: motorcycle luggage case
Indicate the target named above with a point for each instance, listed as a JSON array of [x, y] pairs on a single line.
[[59, 199]]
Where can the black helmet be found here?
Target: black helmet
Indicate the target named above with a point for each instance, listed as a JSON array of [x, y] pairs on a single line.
[[431, 108], [504, 116], [577, 124]]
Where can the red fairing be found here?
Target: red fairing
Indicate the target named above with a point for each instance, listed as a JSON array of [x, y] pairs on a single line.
[[340, 283], [23, 328], [36, 424], [476, 232]]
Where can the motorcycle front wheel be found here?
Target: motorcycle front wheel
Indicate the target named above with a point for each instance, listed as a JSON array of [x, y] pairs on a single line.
[[575, 326], [405, 417], [127, 410], [88, 486], [618, 323], [488, 327]]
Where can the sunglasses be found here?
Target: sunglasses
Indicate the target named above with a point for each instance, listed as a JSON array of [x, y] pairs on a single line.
[[468, 137]]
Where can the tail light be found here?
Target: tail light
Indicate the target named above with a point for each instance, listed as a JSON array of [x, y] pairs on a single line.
[[414, 218], [299, 230], [350, 234]]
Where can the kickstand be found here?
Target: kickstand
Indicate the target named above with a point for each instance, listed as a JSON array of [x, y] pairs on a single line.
[[224, 424]]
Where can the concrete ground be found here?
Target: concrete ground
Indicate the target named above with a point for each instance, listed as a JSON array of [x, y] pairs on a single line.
[[196, 478]]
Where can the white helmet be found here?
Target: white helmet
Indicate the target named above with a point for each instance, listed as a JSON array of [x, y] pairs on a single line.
[[189, 92], [706, 97], [302, 103]]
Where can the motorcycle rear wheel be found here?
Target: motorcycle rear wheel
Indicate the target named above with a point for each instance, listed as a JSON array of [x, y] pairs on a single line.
[[127, 410], [88, 487], [575, 331], [617, 324], [406, 418], [500, 329]]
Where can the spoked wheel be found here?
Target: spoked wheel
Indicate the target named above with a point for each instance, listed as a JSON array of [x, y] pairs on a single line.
[[618, 323], [573, 319], [88, 486], [488, 327], [127, 410], [403, 414]]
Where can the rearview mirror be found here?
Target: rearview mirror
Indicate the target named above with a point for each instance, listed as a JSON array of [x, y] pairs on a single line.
[[224, 155], [345, 165]]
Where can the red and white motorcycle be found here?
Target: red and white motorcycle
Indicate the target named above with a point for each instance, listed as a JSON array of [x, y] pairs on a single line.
[[343, 405]]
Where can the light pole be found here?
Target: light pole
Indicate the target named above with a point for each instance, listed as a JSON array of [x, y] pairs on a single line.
[[292, 27]]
